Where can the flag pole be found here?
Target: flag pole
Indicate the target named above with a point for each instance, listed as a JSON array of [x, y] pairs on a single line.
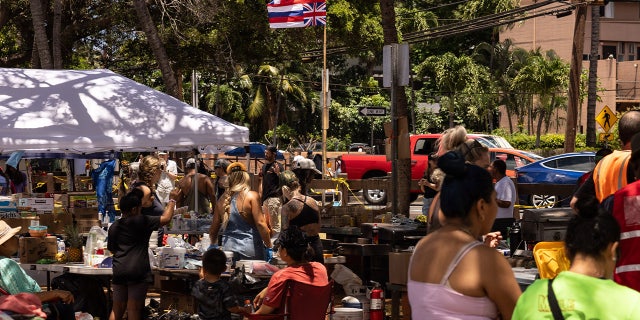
[[325, 109]]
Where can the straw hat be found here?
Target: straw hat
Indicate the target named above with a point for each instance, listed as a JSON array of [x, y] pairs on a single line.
[[6, 232]]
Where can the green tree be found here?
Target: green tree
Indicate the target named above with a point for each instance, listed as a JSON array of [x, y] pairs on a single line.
[[461, 81], [270, 86], [547, 77]]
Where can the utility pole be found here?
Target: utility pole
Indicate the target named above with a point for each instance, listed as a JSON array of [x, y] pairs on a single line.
[[574, 77]]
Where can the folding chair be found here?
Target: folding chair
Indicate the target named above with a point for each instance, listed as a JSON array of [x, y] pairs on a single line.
[[301, 302]]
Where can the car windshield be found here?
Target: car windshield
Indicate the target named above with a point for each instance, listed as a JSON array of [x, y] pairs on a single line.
[[486, 142]]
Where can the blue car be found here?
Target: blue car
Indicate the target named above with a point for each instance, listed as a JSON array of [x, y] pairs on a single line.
[[564, 168]]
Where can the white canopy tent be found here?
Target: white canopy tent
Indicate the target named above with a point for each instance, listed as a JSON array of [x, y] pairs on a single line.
[[83, 111]]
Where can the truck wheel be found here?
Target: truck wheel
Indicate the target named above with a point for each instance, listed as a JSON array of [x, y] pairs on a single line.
[[375, 196]]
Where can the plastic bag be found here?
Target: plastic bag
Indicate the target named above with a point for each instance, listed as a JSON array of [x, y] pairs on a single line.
[[242, 283]]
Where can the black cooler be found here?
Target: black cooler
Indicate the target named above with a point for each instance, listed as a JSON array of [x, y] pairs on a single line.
[[545, 224]]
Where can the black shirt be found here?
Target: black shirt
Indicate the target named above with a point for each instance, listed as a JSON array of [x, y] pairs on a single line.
[[270, 181], [129, 242]]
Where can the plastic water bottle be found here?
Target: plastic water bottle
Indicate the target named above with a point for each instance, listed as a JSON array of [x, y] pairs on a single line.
[[248, 306], [205, 242], [61, 246], [374, 233]]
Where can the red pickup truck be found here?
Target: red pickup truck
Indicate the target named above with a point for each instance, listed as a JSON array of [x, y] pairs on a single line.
[[364, 166], [359, 166]]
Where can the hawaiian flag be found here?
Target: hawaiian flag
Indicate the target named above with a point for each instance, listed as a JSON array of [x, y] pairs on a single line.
[[297, 13]]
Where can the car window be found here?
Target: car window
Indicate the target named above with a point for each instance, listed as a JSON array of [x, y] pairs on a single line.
[[521, 161], [576, 163], [424, 146], [509, 159]]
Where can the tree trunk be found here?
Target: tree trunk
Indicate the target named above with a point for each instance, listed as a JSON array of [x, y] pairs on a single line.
[[55, 36], [402, 181], [39, 18], [574, 79], [157, 47], [592, 94]]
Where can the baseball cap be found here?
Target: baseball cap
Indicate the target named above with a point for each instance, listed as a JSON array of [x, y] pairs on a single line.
[[306, 164], [191, 162], [221, 163], [161, 153]]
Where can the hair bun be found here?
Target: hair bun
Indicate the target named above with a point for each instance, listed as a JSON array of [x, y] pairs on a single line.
[[452, 163]]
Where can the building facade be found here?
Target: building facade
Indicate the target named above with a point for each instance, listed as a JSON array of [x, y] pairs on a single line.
[[618, 52]]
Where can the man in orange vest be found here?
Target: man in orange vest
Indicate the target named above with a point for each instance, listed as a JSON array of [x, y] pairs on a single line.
[[613, 171]]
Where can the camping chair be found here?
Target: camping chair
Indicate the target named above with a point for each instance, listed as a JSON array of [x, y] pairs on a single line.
[[550, 258], [301, 302]]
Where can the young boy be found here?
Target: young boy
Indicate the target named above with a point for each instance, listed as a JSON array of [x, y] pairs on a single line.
[[214, 296]]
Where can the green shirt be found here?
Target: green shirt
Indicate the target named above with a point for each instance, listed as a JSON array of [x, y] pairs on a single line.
[[14, 280], [579, 297]]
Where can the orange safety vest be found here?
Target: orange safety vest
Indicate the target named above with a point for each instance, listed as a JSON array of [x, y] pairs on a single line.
[[627, 213], [610, 175]]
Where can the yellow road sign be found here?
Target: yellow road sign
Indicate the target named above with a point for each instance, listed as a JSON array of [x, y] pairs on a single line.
[[604, 136], [606, 118]]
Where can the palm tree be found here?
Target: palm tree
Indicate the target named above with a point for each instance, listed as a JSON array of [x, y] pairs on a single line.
[[269, 87], [460, 79], [547, 77]]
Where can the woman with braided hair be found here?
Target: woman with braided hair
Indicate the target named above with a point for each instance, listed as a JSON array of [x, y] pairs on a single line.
[[239, 218]]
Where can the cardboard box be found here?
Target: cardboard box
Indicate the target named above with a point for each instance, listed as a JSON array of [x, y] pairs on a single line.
[[61, 199], [179, 301], [56, 222], [9, 213], [175, 285], [84, 226], [77, 201], [38, 204], [399, 267], [19, 222], [85, 213], [33, 249], [92, 201]]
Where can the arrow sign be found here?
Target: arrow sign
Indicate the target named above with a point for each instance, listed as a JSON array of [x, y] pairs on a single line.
[[372, 111]]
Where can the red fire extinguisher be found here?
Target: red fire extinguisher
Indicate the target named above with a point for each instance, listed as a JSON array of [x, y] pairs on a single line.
[[376, 309]]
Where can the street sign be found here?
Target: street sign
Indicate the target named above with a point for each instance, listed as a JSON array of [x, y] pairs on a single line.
[[604, 136], [606, 118], [372, 111]]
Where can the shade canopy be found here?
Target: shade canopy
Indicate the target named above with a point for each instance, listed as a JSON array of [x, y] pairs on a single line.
[[84, 111]]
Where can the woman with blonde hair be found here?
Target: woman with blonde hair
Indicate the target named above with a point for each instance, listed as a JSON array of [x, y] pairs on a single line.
[[239, 218]]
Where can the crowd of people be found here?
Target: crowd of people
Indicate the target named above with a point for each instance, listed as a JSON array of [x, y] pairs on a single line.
[[454, 272]]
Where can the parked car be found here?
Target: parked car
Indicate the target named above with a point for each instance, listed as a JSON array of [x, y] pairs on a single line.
[[513, 158], [491, 141], [368, 166], [564, 168]]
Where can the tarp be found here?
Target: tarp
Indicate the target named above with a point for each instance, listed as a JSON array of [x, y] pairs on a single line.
[[256, 150], [83, 111]]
